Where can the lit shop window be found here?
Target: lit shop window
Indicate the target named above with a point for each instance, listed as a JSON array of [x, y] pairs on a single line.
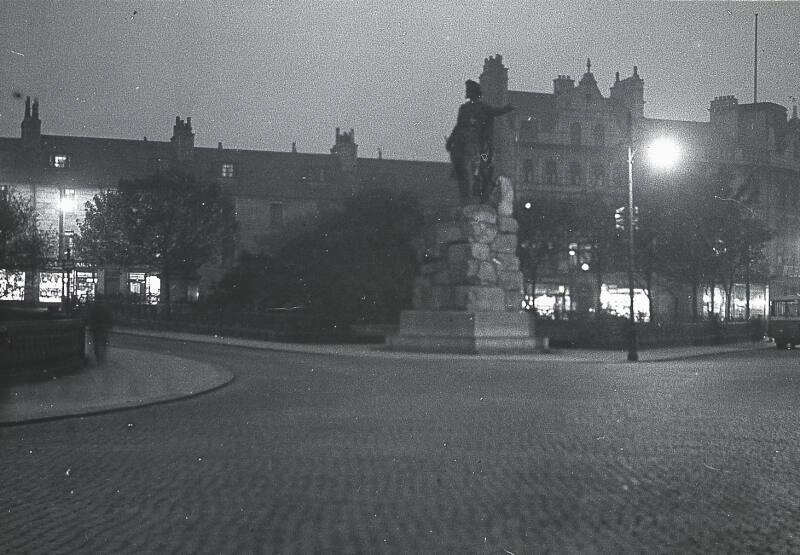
[[12, 286], [50, 287]]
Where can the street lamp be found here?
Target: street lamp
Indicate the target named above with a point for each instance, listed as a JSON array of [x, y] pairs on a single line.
[[662, 153], [66, 203]]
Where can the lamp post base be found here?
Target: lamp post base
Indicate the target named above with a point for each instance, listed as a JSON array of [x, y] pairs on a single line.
[[633, 345]]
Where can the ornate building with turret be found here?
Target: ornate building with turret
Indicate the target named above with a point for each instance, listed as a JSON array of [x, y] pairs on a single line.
[[571, 143]]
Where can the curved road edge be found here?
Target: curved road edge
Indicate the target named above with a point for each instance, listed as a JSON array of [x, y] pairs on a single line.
[[128, 379], [379, 350]]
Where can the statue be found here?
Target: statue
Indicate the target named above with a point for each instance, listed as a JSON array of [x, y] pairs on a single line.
[[470, 145]]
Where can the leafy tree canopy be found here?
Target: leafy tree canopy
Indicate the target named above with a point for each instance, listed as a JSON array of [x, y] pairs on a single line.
[[22, 244], [168, 221], [358, 263]]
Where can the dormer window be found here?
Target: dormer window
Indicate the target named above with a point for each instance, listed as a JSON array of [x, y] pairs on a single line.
[[227, 170], [59, 161]]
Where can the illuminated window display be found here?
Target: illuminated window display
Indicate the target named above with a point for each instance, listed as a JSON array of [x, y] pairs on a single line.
[[144, 288], [12, 286], [84, 286], [616, 300], [50, 287]]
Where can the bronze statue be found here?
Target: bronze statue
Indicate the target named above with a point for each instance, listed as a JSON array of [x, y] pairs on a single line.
[[470, 145]]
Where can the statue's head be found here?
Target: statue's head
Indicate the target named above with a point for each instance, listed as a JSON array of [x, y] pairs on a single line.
[[473, 90]]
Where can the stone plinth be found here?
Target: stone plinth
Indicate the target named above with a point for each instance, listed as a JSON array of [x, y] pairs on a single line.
[[468, 291], [457, 331]]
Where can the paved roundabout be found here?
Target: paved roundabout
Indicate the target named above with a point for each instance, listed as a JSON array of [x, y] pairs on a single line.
[[308, 452]]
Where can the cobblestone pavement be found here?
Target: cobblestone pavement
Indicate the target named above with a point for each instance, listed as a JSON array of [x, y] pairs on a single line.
[[315, 453]]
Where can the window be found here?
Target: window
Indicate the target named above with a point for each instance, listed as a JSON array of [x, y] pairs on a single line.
[[528, 129], [575, 133], [551, 172], [527, 171], [276, 215], [785, 309], [226, 170], [160, 164], [313, 174], [60, 161], [598, 176], [575, 173], [599, 134]]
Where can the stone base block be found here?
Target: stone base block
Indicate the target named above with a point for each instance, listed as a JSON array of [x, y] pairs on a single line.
[[478, 298], [463, 332]]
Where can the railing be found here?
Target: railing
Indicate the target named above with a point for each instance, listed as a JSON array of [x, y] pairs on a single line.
[[41, 348], [611, 333], [273, 325]]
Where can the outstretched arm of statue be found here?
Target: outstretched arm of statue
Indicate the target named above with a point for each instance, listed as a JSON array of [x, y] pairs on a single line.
[[500, 111]]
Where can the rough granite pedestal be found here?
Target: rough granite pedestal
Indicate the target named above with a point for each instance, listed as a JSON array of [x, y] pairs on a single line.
[[468, 294]]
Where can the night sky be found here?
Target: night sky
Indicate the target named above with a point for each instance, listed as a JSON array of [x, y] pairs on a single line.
[[261, 75]]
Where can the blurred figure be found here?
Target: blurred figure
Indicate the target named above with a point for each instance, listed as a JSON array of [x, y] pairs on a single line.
[[98, 319]]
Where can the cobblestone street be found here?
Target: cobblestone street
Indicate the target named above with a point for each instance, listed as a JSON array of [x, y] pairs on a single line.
[[309, 453]]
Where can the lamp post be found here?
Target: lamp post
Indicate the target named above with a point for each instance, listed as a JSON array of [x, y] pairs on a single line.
[[633, 354], [663, 153], [61, 243], [65, 261]]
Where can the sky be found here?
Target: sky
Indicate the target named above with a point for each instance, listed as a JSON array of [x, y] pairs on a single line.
[[262, 75]]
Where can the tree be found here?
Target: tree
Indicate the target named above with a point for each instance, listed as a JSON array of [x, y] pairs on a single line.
[[543, 227], [168, 221], [259, 281], [358, 263], [708, 234], [23, 245], [738, 247], [648, 242], [595, 225]]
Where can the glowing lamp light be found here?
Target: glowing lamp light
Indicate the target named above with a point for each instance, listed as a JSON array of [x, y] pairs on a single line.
[[663, 153], [67, 204], [528, 206]]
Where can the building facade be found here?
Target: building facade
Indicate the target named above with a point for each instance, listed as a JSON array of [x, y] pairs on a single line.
[[273, 194], [568, 144], [571, 143]]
